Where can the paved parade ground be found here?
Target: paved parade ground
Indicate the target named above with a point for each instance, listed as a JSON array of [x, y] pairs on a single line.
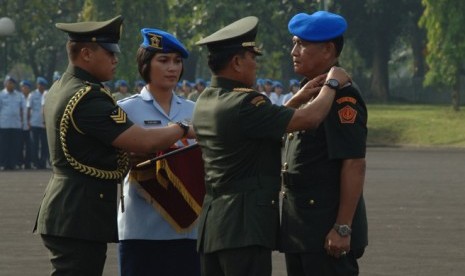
[[415, 202]]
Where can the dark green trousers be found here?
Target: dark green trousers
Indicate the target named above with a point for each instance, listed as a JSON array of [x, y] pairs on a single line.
[[322, 264], [74, 257], [244, 261]]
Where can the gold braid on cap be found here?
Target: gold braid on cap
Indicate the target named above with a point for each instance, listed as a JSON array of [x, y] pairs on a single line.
[[122, 159]]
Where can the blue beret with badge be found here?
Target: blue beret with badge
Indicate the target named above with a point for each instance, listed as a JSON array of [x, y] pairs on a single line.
[[105, 33], [158, 40], [317, 27]]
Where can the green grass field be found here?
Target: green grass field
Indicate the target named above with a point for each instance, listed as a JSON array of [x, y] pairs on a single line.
[[416, 125]]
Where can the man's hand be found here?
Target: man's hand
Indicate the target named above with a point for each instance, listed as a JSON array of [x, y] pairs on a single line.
[[336, 245], [307, 92], [340, 75]]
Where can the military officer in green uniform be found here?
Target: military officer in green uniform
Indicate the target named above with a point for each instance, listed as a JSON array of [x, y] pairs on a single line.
[[88, 137], [324, 224], [240, 134]]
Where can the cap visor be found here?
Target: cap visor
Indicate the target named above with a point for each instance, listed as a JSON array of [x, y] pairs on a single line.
[[112, 47]]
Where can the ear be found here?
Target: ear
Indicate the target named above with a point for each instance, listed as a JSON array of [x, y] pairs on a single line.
[[86, 54], [330, 49], [236, 62]]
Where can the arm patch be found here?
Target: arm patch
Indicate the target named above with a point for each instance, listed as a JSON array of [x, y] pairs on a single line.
[[258, 100], [118, 115]]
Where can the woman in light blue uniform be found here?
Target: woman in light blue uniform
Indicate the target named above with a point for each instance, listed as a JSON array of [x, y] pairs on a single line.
[[150, 243]]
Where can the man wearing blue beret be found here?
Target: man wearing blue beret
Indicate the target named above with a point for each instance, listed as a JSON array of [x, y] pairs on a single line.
[[240, 133], [324, 224], [35, 120]]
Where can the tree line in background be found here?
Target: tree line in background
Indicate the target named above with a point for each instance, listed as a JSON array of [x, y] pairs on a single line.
[[415, 38]]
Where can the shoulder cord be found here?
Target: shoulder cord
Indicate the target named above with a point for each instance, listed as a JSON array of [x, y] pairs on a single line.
[[122, 159]]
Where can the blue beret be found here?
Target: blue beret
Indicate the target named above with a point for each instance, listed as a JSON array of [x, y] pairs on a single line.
[[260, 82], [318, 27], [268, 81], [278, 84], [157, 40], [293, 82], [119, 83], [200, 81], [9, 78], [41, 81], [26, 83], [139, 83]]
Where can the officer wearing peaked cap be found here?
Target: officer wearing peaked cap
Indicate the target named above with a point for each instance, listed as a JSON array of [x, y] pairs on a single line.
[[240, 132], [324, 223], [89, 136], [238, 35]]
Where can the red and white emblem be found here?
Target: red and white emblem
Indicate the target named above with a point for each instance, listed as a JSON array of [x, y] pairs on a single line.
[[347, 115]]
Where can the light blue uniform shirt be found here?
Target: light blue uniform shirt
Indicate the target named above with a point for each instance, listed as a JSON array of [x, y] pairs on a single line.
[[11, 106], [34, 103], [141, 220]]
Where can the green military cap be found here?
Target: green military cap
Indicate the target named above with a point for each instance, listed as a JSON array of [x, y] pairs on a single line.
[[239, 34], [105, 33]]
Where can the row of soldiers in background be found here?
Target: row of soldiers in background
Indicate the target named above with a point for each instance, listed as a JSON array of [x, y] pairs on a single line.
[[23, 142], [273, 89]]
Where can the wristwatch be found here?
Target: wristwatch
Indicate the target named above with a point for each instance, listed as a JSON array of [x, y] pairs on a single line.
[[342, 229], [333, 84], [185, 127]]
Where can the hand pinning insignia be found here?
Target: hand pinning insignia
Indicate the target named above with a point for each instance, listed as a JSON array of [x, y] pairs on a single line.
[[118, 115], [347, 115], [258, 100]]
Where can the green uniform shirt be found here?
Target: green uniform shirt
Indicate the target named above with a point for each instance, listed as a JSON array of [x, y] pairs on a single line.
[[313, 159], [78, 203], [240, 134]]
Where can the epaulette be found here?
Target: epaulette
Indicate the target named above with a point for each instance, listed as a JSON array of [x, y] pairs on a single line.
[[128, 98], [243, 89]]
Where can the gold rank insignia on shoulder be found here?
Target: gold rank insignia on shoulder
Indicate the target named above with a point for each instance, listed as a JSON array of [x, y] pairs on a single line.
[[240, 89], [118, 115], [258, 100]]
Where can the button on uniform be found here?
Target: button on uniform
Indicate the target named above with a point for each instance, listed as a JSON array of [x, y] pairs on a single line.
[[311, 202]]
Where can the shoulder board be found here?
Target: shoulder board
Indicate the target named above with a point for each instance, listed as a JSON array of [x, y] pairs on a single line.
[[241, 89], [129, 98], [95, 86]]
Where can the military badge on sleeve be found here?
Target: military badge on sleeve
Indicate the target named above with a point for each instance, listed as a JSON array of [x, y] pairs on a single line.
[[347, 114], [258, 100], [118, 115]]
